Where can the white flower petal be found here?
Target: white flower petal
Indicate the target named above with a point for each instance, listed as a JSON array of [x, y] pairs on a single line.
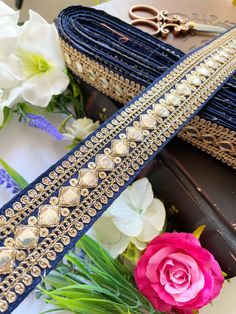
[[5, 10], [80, 128], [111, 239], [153, 221], [139, 195], [10, 72], [9, 29], [8, 98], [42, 38], [139, 245], [39, 90], [8, 39], [125, 218]]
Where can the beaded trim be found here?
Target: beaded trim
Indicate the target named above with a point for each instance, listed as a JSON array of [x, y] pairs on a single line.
[[122, 89], [97, 75], [214, 139], [44, 221]]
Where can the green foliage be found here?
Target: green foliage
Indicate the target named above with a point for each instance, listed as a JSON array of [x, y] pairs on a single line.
[[7, 114], [71, 102], [94, 283], [22, 183]]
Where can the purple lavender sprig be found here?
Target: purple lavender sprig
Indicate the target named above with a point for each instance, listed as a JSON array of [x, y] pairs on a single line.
[[9, 183], [41, 123]]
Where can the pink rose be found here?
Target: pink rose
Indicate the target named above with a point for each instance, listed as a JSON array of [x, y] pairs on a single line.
[[176, 273]]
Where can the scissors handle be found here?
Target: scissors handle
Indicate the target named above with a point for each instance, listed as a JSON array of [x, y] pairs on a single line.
[[143, 8], [151, 24]]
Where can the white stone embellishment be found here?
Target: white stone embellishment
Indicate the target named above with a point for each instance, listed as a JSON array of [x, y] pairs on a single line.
[[48, 216], [88, 178], [183, 89], [91, 75], [104, 162], [233, 45], [211, 64], [79, 67], [193, 80], [161, 111], [147, 121], [223, 54], [172, 100], [134, 134], [119, 148], [219, 58], [228, 50], [118, 90], [67, 58], [104, 82], [26, 237], [203, 71], [69, 196], [6, 260]]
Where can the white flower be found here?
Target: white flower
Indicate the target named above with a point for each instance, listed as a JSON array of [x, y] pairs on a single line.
[[8, 29], [32, 66], [7, 98], [80, 128], [42, 61], [136, 214], [108, 236]]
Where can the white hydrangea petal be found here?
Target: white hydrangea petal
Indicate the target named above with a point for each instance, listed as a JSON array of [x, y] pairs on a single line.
[[139, 195], [39, 89], [153, 221], [125, 218], [42, 38], [139, 244], [110, 238]]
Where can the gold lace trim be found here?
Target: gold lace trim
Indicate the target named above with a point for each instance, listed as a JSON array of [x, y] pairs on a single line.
[[212, 138], [123, 90]]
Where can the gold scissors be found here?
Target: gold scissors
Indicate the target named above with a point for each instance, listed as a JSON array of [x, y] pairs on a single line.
[[161, 22]]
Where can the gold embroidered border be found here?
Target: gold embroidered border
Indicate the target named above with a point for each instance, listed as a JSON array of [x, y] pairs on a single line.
[[214, 139], [121, 89], [126, 153]]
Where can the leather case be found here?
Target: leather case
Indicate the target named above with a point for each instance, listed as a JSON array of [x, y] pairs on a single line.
[[198, 190]]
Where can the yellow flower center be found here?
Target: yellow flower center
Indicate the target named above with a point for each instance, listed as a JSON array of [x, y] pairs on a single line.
[[33, 63]]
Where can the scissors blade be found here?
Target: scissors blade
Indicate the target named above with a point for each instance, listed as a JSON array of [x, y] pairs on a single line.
[[208, 28]]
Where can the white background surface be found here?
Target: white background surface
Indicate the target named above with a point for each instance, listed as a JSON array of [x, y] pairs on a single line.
[[30, 152]]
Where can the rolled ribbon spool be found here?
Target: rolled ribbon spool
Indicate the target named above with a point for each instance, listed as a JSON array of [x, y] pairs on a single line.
[[120, 61]]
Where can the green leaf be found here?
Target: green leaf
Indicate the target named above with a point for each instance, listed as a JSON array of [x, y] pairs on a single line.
[[94, 282], [14, 174], [62, 127], [197, 233], [7, 114]]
